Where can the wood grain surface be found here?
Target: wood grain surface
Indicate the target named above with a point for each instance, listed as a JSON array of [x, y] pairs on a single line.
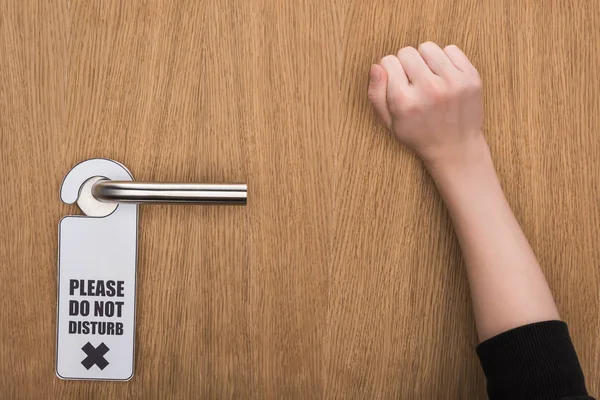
[[342, 278]]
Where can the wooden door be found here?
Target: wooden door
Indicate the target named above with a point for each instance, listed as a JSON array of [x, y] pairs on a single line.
[[342, 277]]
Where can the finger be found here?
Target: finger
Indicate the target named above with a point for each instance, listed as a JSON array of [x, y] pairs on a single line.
[[378, 83], [395, 73], [436, 59], [459, 59], [415, 67], [397, 83]]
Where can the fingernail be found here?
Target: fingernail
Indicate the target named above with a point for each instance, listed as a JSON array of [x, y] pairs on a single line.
[[375, 74]]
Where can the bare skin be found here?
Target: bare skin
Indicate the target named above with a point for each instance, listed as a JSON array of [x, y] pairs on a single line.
[[431, 98]]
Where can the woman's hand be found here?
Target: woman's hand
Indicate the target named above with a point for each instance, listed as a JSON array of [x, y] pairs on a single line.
[[432, 100]]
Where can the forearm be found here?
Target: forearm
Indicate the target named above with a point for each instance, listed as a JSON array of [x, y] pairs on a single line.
[[508, 288]]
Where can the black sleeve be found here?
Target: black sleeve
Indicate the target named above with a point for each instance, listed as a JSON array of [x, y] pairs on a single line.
[[536, 361]]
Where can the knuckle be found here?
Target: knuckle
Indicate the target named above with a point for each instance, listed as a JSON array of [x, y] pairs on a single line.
[[439, 96], [451, 47], [464, 87], [386, 59], [394, 101], [456, 84], [472, 85], [407, 51], [457, 89], [398, 104], [433, 88], [476, 83], [426, 45]]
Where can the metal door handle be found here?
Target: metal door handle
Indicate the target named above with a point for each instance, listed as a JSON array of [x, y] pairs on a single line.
[[146, 192], [100, 185]]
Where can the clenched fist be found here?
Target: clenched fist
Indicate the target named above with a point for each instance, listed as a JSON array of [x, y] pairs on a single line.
[[432, 100]]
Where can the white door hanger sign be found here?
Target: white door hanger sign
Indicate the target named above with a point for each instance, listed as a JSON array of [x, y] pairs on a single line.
[[97, 262]]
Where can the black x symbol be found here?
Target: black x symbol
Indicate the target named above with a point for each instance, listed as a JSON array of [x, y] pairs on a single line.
[[95, 355]]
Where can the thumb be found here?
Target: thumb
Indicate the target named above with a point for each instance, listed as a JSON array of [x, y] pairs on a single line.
[[378, 93]]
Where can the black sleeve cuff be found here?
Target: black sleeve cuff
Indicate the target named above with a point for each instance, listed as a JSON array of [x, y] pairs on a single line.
[[535, 361]]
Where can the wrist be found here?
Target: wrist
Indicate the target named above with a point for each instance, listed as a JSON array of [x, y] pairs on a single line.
[[469, 189], [472, 176], [466, 161]]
